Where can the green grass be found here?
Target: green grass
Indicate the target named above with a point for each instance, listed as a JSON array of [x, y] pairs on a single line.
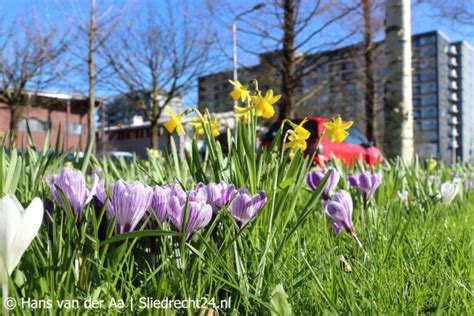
[[417, 257]]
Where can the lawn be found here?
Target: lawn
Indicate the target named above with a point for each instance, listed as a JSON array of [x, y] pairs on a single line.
[[269, 250]]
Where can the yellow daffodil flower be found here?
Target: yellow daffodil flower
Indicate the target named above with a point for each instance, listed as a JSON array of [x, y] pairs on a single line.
[[296, 143], [243, 112], [264, 105], [199, 126], [155, 154], [336, 129], [300, 130], [174, 122], [431, 165], [240, 91]]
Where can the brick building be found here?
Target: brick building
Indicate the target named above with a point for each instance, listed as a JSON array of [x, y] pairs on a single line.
[[45, 111]]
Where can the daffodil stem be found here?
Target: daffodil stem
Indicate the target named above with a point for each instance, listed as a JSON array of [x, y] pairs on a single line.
[[5, 298]]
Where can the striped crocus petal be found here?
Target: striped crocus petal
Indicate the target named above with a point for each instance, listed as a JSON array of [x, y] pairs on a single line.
[[314, 178], [339, 208], [73, 185], [160, 201], [199, 212], [245, 207], [128, 203], [366, 183]]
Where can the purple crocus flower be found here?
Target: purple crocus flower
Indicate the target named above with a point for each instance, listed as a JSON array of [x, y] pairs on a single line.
[[469, 185], [128, 203], [199, 212], [245, 207], [314, 178], [218, 194], [160, 202], [100, 194], [98, 202], [366, 183], [73, 186], [340, 209]]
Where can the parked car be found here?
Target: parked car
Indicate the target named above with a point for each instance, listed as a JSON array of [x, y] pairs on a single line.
[[117, 155], [355, 146]]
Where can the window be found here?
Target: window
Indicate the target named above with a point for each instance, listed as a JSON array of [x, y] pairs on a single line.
[[428, 100], [428, 87], [34, 124], [416, 102], [431, 136], [416, 90], [429, 124], [427, 76], [76, 128], [427, 51], [430, 112], [427, 40], [416, 114], [355, 137]]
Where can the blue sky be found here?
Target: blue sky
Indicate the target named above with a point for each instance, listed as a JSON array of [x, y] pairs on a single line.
[[423, 20]]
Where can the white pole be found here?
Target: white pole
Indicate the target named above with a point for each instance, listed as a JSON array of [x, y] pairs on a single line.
[[236, 76]]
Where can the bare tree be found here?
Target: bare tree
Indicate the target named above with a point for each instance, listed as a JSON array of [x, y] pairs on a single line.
[[27, 53], [398, 109], [294, 32], [459, 11], [91, 30], [157, 59]]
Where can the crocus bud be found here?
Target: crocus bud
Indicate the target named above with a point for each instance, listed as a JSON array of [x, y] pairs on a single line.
[[199, 212], [245, 207], [314, 178], [340, 209], [366, 183], [128, 203], [160, 202], [449, 190], [218, 194], [18, 228], [73, 185]]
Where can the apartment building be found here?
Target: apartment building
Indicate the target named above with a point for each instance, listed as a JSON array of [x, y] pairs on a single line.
[[332, 82]]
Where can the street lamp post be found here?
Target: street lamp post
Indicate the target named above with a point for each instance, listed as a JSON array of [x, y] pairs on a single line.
[[234, 43], [234, 36]]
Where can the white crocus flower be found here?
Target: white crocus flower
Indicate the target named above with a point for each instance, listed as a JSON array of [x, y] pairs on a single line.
[[18, 228], [449, 190]]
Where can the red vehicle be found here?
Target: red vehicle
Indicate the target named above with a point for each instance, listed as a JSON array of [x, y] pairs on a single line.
[[355, 146]]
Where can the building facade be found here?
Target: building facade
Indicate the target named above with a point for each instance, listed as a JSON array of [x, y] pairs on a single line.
[[123, 110], [332, 82], [54, 112]]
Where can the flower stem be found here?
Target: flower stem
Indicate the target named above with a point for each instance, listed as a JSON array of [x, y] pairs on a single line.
[[358, 241], [5, 297]]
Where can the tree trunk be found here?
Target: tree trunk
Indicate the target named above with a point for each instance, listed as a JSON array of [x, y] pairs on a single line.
[[154, 129], [15, 116], [398, 112], [91, 73], [369, 73], [288, 83]]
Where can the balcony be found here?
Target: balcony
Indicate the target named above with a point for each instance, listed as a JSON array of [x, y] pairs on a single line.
[[453, 73], [453, 62], [453, 120], [453, 97], [454, 145], [453, 109], [453, 50], [453, 133]]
